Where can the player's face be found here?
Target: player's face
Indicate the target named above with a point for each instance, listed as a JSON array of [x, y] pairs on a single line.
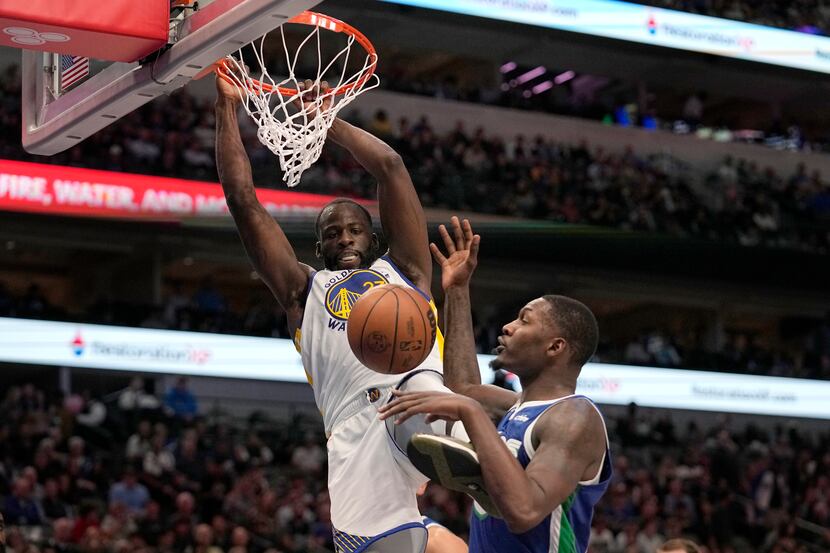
[[524, 343], [346, 240]]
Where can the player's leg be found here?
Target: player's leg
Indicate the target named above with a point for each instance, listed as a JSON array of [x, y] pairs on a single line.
[[440, 451], [423, 381], [442, 540], [411, 539], [372, 496]]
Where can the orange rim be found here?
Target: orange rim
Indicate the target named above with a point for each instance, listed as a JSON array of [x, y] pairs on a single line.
[[325, 22]]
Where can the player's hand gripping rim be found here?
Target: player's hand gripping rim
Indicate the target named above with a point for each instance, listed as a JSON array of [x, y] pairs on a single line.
[[313, 99]]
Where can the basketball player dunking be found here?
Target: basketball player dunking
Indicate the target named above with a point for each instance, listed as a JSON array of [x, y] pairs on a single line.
[[371, 482], [547, 464]]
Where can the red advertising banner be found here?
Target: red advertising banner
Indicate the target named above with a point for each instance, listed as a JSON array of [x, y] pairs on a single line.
[[116, 30], [58, 190]]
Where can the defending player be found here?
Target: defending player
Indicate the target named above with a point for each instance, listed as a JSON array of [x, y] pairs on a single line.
[[547, 464], [371, 483]]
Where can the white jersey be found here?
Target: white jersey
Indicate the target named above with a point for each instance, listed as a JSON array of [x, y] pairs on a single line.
[[333, 371], [371, 483]]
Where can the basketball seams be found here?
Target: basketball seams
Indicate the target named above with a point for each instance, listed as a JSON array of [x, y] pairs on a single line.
[[371, 324], [366, 322], [395, 334], [427, 332]]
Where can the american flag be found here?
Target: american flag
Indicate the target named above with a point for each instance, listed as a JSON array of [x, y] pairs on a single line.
[[73, 69]]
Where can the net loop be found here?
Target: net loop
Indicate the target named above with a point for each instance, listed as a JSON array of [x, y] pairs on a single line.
[[292, 122]]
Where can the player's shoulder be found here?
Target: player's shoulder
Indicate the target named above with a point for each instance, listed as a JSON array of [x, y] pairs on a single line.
[[570, 420]]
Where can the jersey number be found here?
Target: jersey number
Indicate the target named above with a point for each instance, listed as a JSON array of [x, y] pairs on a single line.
[[372, 283]]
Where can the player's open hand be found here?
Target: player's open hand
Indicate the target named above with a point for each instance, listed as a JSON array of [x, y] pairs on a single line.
[[435, 405], [460, 261]]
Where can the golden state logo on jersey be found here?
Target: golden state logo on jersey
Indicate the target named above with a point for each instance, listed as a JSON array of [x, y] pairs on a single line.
[[343, 293]]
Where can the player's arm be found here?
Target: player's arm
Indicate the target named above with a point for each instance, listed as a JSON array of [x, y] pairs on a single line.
[[568, 440], [401, 214], [442, 540], [461, 371], [266, 244]]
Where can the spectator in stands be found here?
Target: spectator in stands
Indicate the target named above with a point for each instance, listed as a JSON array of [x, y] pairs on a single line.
[[90, 421], [309, 457], [158, 463], [117, 523], [636, 353], [34, 304], [131, 493], [380, 124], [6, 301], [820, 347], [180, 401], [602, 538], [134, 400], [207, 298], [61, 541], [155, 319], [239, 540], [221, 531], [20, 507], [139, 443], [175, 303], [754, 477], [693, 109], [88, 519], [679, 546], [203, 540], [52, 505]]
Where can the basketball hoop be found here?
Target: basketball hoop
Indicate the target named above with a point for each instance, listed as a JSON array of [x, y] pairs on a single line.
[[296, 136]]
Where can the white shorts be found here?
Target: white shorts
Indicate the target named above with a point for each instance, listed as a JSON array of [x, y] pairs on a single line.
[[372, 484]]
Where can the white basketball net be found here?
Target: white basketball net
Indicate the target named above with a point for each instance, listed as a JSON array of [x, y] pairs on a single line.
[[294, 135]]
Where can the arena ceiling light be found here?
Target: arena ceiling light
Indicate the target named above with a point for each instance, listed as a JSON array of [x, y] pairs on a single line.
[[530, 75], [541, 87], [562, 78]]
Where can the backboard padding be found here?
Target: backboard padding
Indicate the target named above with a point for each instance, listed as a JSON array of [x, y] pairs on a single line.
[[52, 125]]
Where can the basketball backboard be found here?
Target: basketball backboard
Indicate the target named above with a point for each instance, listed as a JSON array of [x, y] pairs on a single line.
[[54, 121]]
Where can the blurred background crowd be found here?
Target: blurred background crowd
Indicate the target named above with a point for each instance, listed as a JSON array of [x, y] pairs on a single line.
[[134, 471]]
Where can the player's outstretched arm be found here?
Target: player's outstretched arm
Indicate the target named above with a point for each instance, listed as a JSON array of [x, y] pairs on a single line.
[[401, 214], [266, 244], [461, 372], [569, 440]]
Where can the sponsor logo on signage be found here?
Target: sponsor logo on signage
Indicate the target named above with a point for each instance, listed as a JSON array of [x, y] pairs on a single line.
[[607, 385], [78, 345], [30, 37], [715, 38], [132, 351]]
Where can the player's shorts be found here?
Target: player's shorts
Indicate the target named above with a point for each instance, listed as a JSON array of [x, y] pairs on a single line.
[[372, 484], [431, 522], [410, 537]]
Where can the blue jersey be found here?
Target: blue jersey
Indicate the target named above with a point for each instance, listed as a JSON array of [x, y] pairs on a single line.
[[567, 529]]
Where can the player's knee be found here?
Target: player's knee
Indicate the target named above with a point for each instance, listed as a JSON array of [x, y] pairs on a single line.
[[421, 382]]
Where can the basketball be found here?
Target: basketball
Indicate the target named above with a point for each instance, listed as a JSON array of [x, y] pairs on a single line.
[[391, 329]]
